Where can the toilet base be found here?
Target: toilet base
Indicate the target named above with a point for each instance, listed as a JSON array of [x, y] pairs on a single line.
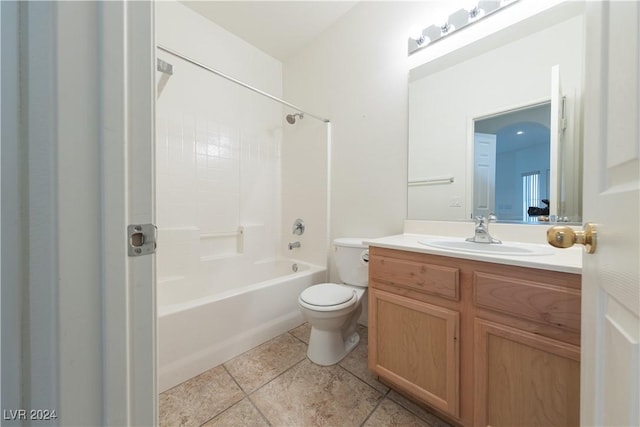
[[328, 347], [333, 332]]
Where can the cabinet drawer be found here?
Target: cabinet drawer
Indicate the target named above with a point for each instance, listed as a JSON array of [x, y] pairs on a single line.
[[431, 279], [530, 300]]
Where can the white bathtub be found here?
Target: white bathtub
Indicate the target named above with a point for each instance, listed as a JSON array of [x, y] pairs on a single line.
[[231, 312]]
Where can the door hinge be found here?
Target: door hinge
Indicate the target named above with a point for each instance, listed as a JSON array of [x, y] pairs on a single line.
[[563, 119], [141, 239]]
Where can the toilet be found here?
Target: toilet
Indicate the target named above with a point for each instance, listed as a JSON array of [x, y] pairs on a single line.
[[333, 309]]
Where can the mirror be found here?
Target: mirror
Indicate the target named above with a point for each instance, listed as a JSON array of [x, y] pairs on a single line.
[[492, 91]]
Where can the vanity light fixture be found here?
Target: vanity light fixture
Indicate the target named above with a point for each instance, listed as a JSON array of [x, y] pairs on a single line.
[[473, 12]]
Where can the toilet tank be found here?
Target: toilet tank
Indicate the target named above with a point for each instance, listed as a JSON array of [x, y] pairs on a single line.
[[352, 261]]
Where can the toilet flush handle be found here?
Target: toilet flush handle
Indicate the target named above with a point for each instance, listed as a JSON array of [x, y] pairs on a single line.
[[364, 257]]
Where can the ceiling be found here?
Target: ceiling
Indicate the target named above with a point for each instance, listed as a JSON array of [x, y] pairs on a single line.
[[278, 28]]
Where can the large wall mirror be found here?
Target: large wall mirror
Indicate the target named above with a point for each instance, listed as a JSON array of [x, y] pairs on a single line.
[[499, 130]]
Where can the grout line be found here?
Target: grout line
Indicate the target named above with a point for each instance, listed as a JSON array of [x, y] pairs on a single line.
[[299, 339], [234, 379], [372, 411], [223, 411], [259, 411], [280, 374], [362, 380], [271, 380]]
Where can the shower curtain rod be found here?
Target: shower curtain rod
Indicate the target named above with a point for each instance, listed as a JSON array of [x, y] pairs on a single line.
[[236, 81]]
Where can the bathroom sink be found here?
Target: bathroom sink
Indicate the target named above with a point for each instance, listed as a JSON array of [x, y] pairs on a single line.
[[511, 248]]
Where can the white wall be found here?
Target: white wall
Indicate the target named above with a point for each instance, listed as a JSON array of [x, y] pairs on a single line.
[[304, 187], [356, 73], [201, 39]]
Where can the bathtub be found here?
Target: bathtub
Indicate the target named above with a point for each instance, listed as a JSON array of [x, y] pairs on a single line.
[[232, 311]]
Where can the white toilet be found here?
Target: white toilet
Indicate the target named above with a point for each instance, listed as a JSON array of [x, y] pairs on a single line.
[[333, 309]]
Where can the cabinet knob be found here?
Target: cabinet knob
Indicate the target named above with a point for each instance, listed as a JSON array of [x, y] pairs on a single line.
[[562, 236]]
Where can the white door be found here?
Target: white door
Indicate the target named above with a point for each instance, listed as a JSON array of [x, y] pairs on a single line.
[[484, 174], [610, 378]]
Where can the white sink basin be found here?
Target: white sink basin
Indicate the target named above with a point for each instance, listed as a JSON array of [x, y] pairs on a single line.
[[511, 248]]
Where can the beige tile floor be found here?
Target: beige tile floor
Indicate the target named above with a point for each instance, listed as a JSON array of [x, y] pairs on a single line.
[[275, 384]]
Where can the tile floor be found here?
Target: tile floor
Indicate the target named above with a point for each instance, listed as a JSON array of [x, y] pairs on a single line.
[[275, 384]]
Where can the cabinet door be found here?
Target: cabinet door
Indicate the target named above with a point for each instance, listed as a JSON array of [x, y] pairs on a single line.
[[414, 345], [522, 379]]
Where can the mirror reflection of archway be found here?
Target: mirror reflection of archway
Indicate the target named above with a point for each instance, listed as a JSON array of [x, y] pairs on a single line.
[[511, 163]]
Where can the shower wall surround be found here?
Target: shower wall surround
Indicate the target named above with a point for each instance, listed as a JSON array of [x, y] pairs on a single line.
[[218, 149]]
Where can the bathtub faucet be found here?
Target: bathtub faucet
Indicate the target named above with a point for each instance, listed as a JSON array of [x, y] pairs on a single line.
[[294, 245]]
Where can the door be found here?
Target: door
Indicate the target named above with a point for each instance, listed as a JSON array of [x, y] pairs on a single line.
[[414, 345], [610, 376], [512, 366], [484, 175]]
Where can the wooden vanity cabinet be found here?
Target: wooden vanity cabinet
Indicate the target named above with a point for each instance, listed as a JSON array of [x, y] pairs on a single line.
[[481, 343], [414, 327]]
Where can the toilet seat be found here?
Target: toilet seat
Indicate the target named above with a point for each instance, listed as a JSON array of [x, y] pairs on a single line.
[[327, 297]]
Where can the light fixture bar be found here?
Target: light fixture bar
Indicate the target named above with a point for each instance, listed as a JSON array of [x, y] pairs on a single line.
[[456, 21]]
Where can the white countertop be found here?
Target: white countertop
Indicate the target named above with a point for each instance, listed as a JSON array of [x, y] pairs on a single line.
[[563, 260]]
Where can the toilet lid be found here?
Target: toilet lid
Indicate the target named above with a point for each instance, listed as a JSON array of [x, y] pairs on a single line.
[[326, 294]]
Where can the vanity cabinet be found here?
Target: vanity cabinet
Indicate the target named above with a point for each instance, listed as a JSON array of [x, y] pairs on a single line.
[[414, 327], [480, 343]]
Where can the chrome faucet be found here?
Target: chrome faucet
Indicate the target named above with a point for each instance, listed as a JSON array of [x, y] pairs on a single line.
[[482, 230], [294, 245]]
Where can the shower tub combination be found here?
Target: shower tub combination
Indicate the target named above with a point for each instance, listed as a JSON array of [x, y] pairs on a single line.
[[261, 303], [224, 189]]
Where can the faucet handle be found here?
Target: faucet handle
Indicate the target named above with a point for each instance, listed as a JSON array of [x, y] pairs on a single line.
[[492, 217], [298, 227]]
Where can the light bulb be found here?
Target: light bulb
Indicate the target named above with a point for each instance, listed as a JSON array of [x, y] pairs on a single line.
[[470, 4], [415, 33], [440, 18]]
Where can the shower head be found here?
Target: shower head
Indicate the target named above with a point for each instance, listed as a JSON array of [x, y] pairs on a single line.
[[291, 118]]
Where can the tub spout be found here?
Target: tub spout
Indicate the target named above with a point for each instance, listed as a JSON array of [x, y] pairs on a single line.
[[294, 245]]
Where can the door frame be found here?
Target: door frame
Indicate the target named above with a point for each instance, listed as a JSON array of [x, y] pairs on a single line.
[[83, 147], [128, 189]]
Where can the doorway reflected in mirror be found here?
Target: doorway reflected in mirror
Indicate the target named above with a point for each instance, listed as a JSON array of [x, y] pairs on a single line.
[[511, 164]]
